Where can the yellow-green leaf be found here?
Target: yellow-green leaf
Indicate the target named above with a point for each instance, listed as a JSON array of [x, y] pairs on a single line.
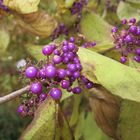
[[22, 6], [94, 28], [4, 38], [119, 79]]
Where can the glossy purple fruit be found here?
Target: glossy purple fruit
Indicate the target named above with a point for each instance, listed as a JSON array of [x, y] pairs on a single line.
[[61, 73], [50, 71], [124, 21], [72, 67], [114, 30], [138, 51], [47, 50], [89, 85], [123, 59], [57, 59], [71, 46], [20, 109], [76, 74], [77, 90], [42, 96], [132, 20], [55, 93], [72, 39], [65, 84], [133, 29], [31, 72], [137, 59], [36, 88], [128, 39]]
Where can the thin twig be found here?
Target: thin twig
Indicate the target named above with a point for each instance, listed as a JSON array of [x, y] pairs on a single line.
[[13, 95]]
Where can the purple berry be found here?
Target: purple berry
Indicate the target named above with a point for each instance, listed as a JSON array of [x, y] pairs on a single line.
[[123, 59], [71, 46], [137, 59], [65, 84], [66, 60], [77, 90], [68, 73], [114, 30], [124, 21], [84, 80], [65, 48], [79, 66], [133, 29], [31, 72], [36, 88], [42, 96], [57, 59], [56, 93], [92, 44], [138, 51], [61, 73], [128, 39], [50, 71], [89, 85], [70, 55], [72, 67], [132, 20], [76, 74], [20, 109], [47, 50], [72, 39], [57, 52], [138, 31]]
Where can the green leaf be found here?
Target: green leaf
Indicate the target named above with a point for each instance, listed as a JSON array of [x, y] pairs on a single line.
[[35, 51], [22, 6], [49, 123], [119, 79], [75, 111], [4, 38], [134, 1], [94, 28], [125, 10], [87, 128], [129, 122]]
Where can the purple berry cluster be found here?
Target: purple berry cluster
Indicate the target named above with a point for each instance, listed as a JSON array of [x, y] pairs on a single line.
[[60, 30], [61, 70], [3, 7], [127, 40], [78, 6]]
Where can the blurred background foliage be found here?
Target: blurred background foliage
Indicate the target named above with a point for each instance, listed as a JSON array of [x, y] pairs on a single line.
[[13, 48]]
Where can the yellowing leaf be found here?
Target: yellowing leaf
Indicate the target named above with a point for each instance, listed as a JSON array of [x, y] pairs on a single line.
[[39, 23], [22, 6]]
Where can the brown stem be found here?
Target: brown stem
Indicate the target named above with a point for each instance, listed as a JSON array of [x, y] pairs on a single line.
[[13, 95]]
